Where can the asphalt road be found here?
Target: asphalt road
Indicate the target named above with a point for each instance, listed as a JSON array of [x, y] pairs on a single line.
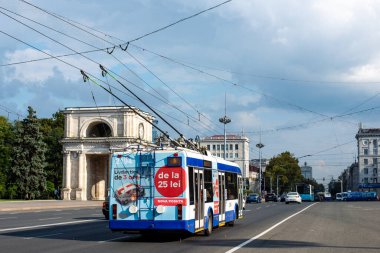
[[320, 227]]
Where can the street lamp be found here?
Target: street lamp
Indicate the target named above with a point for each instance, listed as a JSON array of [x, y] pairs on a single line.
[[260, 146], [225, 120]]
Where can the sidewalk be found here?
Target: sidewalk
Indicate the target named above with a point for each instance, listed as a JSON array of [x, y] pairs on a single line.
[[27, 205]]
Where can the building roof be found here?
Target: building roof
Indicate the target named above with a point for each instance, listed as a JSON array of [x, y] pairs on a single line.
[[221, 137], [367, 132]]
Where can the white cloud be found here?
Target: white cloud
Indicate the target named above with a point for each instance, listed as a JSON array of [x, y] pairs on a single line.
[[36, 73]]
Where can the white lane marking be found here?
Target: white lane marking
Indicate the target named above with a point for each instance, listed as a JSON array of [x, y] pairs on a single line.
[[6, 218], [114, 239], [258, 208], [266, 231], [52, 218], [42, 236], [46, 225]]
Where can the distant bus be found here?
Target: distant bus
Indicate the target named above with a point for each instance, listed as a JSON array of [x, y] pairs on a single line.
[[306, 191], [359, 196], [173, 190]]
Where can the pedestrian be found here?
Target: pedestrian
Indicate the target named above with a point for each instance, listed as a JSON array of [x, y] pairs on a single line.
[[55, 193]]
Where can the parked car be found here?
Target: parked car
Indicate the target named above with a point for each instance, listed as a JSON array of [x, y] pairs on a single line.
[[293, 197], [338, 197], [282, 197], [271, 197], [253, 198], [105, 208]]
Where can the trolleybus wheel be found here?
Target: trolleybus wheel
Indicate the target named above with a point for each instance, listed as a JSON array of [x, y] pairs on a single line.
[[208, 230], [232, 223]]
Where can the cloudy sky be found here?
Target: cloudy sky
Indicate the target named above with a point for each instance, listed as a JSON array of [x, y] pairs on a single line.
[[301, 73]]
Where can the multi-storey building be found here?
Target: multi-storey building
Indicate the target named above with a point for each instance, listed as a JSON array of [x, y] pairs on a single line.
[[368, 154], [307, 171], [350, 177], [237, 149]]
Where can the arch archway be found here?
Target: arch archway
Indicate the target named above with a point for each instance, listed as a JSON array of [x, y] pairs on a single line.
[[98, 129]]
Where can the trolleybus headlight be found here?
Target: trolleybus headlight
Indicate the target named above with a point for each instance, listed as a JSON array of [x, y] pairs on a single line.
[[160, 209], [133, 209]]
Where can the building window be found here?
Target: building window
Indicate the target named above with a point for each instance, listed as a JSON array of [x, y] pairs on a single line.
[[226, 155], [375, 161], [375, 151], [366, 180], [365, 151], [218, 147], [218, 155], [208, 147], [226, 146], [375, 180], [375, 143], [236, 146], [222, 146], [236, 155], [365, 161], [213, 147], [231, 147], [366, 171], [374, 171]]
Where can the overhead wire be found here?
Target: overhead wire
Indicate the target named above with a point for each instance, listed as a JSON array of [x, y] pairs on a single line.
[[301, 108], [142, 36], [128, 43], [324, 150], [10, 111], [86, 77], [58, 42], [107, 50]]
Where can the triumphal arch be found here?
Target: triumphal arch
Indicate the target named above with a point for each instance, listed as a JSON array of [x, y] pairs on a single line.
[[91, 134]]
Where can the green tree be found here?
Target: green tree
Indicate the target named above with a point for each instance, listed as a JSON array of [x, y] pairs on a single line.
[[286, 165], [28, 165], [312, 182], [52, 130], [6, 137]]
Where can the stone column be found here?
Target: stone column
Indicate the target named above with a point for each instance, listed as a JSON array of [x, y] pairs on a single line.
[[79, 190], [66, 191]]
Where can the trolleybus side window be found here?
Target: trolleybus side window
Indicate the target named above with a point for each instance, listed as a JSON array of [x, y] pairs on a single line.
[[191, 185], [231, 185], [208, 185]]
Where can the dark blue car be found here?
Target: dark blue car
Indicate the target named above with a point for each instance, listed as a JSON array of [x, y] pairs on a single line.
[[253, 198]]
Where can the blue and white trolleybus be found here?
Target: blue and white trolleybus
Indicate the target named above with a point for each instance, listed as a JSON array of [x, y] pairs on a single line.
[[173, 189]]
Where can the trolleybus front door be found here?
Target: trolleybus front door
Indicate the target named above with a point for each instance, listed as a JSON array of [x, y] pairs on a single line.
[[240, 196], [198, 198], [222, 197]]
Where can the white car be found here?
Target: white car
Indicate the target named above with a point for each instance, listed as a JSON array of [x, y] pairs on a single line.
[[293, 197], [339, 197]]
